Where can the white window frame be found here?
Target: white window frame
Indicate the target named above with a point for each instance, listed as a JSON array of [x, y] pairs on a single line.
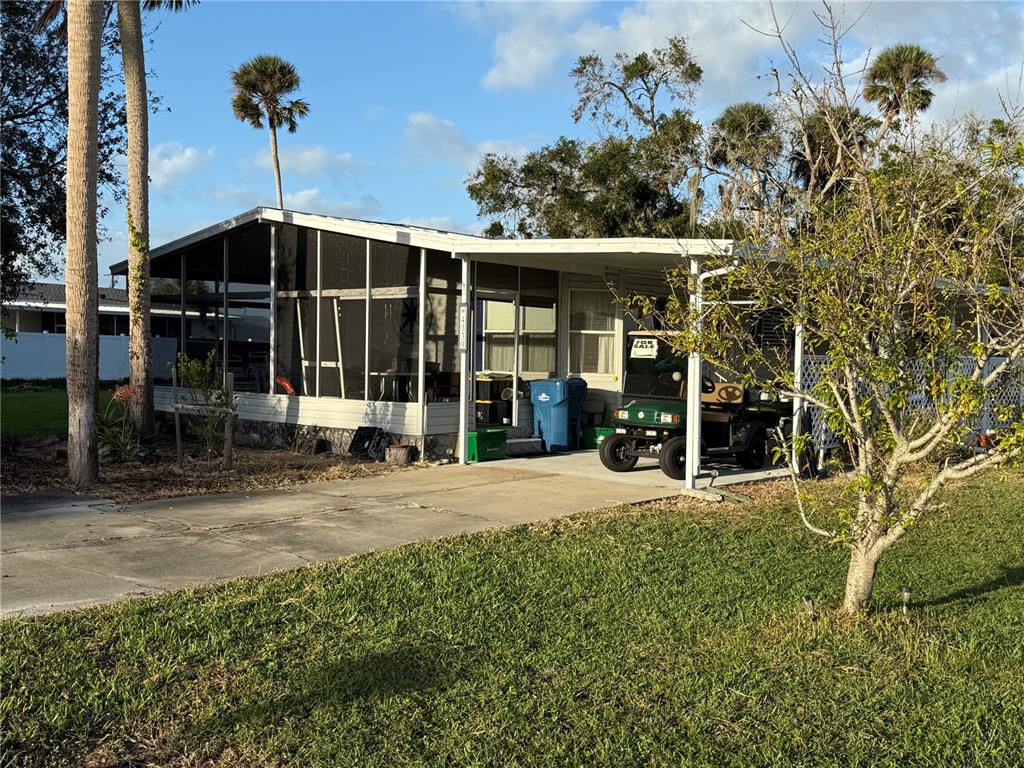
[[610, 333]]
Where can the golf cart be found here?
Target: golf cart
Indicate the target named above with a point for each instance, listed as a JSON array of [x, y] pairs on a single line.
[[735, 420]]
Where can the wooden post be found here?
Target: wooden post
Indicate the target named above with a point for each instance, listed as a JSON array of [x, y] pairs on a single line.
[[229, 423]]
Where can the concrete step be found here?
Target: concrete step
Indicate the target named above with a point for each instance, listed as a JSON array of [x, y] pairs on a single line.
[[524, 446]]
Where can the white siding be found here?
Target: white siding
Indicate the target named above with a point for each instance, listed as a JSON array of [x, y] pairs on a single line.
[[397, 418], [442, 418]]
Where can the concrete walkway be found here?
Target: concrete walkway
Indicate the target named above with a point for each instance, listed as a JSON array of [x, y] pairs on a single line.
[[66, 551]]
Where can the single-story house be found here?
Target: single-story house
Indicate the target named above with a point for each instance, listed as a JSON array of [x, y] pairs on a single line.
[[34, 339], [336, 323]]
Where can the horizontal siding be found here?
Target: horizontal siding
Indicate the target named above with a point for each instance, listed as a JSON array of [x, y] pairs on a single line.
[[397, 418], [442, 418]]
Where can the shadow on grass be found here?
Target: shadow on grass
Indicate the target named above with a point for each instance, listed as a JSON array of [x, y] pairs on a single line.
[[403, 669], [1010, 577]]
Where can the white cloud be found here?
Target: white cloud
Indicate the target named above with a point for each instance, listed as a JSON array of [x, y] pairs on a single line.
[[445, 223], [171, 160], [975, 42], [310, 161], [312, 200], [442, 138]]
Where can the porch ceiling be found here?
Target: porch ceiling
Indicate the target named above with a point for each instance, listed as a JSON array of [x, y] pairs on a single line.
[[594, 256]]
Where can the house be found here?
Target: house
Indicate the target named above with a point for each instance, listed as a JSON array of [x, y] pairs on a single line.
[[34, 339], [336, 323]]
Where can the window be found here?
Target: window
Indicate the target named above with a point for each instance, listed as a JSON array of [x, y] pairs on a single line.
[[538, 342], [53, 322], [591, 332]]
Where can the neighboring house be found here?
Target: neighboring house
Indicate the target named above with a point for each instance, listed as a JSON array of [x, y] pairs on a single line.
[[37, 321], [418, 331]]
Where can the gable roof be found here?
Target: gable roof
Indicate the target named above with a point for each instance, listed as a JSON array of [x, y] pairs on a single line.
[[598, 252]]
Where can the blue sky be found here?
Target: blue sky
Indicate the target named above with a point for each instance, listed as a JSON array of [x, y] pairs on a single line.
[[406, 96]]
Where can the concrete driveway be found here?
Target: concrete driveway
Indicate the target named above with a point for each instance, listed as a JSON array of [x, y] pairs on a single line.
[[66, 551]]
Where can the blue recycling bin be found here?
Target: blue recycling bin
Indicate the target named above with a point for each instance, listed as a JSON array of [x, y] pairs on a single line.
[[558, 412]]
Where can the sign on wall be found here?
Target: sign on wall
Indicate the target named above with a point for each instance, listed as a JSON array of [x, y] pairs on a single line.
[[463, 326]]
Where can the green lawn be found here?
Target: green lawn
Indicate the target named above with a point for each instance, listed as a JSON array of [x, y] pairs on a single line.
[[660, 637], [37, 412]]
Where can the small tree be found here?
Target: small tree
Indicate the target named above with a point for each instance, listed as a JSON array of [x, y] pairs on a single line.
[[908, 278]]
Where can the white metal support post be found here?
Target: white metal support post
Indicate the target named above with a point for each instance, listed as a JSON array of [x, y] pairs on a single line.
[[421, 357], [516, 358], [798, 383], [224, 320], [319, 313], [464, 372], [184, 328], [366, 341], [693, 377], [272, 373]]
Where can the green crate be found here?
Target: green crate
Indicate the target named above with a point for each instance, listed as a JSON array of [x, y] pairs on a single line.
[[594, 436], [486, 444]]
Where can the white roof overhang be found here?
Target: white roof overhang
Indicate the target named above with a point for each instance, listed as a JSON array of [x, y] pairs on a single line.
[[595, 255], [586, 255]]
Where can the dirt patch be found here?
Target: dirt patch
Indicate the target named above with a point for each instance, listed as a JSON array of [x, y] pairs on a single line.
[[158, 477]]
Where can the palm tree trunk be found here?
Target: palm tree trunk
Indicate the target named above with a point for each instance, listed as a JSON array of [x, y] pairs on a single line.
[[277, 166], [129, 21], [85, 29]]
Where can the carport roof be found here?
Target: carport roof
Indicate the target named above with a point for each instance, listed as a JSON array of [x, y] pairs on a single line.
[[572, 254]]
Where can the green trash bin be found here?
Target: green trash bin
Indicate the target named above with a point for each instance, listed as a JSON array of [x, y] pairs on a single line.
[[486, 445], [594, 436]]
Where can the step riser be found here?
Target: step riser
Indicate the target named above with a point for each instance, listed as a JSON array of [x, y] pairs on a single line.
[[524, 446]]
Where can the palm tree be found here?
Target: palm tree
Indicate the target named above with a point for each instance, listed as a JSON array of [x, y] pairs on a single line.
[[84, 29], [744, 136], [260, 87], [129, 23], [823, 147], [898, 79]]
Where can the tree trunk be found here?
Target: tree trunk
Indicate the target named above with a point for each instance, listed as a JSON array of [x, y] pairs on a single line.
[[129, 21], [277, 166], [860, 578], [84, 29]]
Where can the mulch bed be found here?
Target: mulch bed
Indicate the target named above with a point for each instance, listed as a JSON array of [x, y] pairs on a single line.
[[34, 469]]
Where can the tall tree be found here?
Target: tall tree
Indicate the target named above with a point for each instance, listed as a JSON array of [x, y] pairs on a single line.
[[898, 80], [261, 85], [630, 182], [824, 149], [745, 140], [129, 22], [33, 143], [85, 30]]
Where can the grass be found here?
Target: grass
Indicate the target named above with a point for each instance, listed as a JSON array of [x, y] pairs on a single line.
[[665, 636], [37, 411]]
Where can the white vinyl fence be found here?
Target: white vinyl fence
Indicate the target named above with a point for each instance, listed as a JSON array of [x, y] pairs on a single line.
[[43, 356]]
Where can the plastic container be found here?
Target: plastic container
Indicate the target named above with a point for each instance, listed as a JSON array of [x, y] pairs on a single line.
[[486, 445], [594, 436], [558, 412]]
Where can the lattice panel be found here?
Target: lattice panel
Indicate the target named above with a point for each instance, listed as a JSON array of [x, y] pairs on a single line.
[[1010, 392]]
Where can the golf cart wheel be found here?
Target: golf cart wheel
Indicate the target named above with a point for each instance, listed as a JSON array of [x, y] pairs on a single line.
[[756, 453], [614, 453], [672, 458]]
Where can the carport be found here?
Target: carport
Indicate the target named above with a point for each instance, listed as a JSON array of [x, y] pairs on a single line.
[[623, 266]]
